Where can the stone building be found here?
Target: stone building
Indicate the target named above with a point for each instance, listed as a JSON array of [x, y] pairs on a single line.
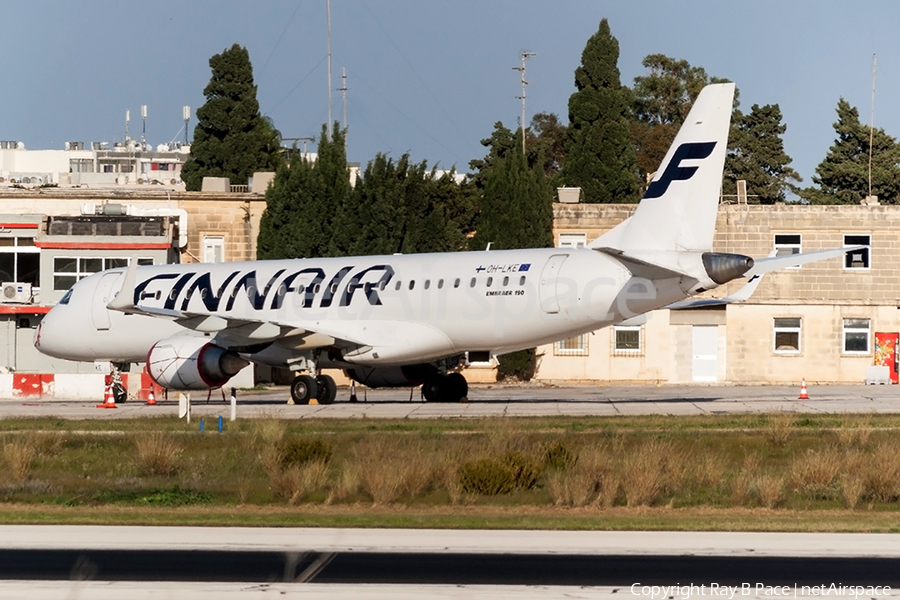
[[817, 322], [51, 237]]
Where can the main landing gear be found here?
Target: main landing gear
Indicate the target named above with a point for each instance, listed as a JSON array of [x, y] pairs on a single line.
[[452, 387], [306, 387]]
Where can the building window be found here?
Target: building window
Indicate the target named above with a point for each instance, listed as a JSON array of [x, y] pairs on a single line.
[[572, 240], [627, 339], [213, 248], [787, 335], [20, 260], [67, 270], [857, 259], [856, 336], [81, 165], [573, 346], [787, 244]]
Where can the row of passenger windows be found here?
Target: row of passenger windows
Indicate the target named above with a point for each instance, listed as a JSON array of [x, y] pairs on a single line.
[[489, 282]]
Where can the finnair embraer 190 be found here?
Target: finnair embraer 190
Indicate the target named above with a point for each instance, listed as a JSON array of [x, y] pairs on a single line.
[[407, 320]]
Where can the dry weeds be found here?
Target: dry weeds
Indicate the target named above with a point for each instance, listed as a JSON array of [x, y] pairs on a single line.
[[816, 471], [882, 473], [19, 454], [157, 454], [857, 435], [770, 490], [779, 427], [346, 482], [648, 470]]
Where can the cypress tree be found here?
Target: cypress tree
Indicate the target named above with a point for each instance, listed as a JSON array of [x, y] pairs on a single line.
[[231, 139], [756, 155], [599, 156], [516, 203], [303, 202], [843, 175]]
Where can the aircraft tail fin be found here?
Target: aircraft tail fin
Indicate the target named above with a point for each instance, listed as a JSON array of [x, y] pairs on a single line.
[[678, 210]]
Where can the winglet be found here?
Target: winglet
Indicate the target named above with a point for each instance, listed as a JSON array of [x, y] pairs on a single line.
[[124, 300]]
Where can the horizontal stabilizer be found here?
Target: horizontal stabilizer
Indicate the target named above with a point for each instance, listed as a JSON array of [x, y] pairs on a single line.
[[765, 265]]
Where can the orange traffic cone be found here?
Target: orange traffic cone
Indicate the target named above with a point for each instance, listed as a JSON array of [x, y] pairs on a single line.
[[151, 400], [353, 397], [803, 394], [108, 400]]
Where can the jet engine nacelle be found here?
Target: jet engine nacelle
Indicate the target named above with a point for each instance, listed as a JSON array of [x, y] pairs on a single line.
[[375, 377], [190, 363]]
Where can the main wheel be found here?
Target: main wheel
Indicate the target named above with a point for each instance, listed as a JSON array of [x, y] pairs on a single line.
[[327, 391], [433, 388], [303, 388], [457, 387]]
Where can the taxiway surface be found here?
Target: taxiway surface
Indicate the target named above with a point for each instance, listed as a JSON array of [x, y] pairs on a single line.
[[490, 401]]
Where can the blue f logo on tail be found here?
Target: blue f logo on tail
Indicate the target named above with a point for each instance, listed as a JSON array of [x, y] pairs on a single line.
[[674, 171]]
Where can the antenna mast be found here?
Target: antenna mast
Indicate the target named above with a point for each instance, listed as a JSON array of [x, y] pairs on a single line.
[[343, 91], [186, 115], [143, 126], [521, 69], [328, 23], [872, 121]]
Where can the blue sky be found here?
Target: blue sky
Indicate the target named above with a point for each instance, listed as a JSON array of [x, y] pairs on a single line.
[[426, 77]]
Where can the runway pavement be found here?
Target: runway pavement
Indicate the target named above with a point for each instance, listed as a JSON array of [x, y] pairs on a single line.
[[485, 401], [111, 562]]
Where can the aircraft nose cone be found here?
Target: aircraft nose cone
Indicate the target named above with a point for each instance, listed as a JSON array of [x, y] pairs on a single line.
[[51, 336], [37, 335]]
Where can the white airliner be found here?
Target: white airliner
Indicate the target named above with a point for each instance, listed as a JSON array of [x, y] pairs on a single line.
[[408, 320]]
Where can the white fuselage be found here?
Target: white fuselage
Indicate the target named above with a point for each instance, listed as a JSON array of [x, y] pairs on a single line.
[[376, 310]]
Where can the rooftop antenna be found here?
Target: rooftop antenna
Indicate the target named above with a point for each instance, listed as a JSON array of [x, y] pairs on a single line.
[[303, 140], [127, 120], [143, 126], [872, 121], [521, 69], [328, 24]]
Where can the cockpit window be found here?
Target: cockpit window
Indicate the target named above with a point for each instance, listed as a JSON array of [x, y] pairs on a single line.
[[66, 297]]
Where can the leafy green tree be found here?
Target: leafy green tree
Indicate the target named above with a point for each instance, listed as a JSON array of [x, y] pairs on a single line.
[[757, 156], [547, 137], [516, 202], [303, 202], [600, 158], [843, 176], [662, 100], [400, 207], [231, 139]]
